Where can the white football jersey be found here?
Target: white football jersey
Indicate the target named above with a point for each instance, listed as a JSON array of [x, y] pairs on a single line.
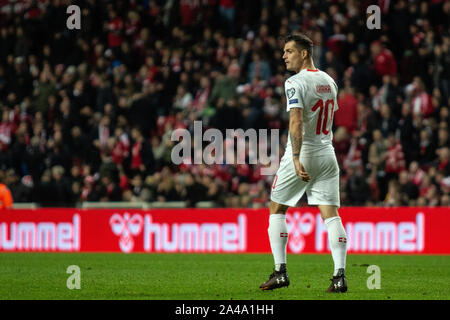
[[316, 92]]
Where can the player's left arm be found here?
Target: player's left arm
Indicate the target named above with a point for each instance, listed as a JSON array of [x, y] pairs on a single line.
[[296, 135], [296, 130]]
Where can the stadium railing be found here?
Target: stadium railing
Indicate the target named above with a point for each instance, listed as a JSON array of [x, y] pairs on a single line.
[[206, 204], [123, 205], [132, 205], [25, 205], [116, 205]]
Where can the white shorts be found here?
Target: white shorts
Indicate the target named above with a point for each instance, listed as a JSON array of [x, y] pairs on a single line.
[[323, 188]]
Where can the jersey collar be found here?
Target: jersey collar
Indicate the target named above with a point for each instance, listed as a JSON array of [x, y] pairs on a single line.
[[309, 70]]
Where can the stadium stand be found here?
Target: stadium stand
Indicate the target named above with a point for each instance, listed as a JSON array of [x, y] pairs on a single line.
[[87, 115]]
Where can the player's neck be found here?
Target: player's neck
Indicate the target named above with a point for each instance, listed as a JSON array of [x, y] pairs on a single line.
[[309, 65]]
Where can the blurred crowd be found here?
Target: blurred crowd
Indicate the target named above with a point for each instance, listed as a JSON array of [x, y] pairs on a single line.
[[87, 115]]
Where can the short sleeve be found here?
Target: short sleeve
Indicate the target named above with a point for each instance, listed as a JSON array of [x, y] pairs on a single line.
[[336, 106], [293, 91]]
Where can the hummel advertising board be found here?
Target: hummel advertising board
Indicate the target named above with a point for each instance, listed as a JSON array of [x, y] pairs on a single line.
[[369, 230]]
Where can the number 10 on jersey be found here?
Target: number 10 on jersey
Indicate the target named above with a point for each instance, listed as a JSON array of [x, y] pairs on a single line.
[[322, 124]]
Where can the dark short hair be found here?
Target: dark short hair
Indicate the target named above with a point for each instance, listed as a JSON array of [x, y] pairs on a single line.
[[301, 41]]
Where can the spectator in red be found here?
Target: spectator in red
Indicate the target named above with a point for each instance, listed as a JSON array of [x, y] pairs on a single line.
[[384, 60], [151, 70], [347, 102], [336, 43], [425, 186], [354, 156], [115, 28], [88, 193], [121, 149], [189, 12], [341, 143], [395, 162], [416, 174], [421, 102]]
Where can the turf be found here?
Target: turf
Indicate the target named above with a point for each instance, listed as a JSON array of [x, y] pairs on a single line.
[[216, 276]]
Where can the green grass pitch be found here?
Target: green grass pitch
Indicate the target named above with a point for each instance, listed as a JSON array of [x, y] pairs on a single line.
[[216, 276]]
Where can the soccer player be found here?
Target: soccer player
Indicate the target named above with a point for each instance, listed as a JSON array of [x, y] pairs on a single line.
[[309, 163]]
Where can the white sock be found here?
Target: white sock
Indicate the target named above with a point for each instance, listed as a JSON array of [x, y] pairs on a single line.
[[338, 242], [278, 236]]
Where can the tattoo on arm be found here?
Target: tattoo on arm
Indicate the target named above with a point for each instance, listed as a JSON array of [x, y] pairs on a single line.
[[296, 130]]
